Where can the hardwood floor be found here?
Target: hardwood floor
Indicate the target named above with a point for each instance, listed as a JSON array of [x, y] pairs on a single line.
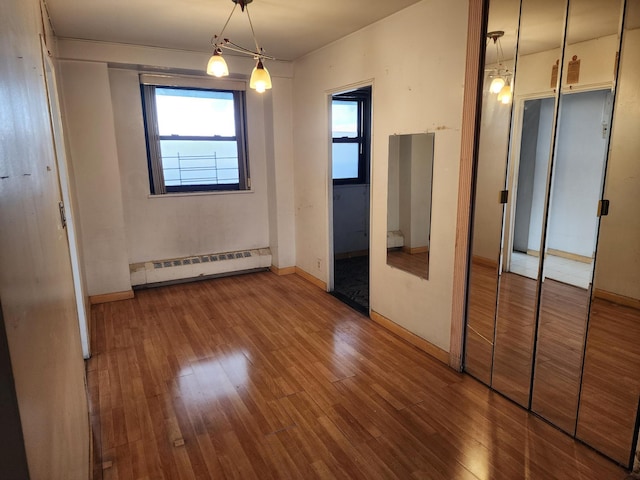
[[415, 263], [562, 327], [515, 329], [611, 380], [481, 314], [260, 376]]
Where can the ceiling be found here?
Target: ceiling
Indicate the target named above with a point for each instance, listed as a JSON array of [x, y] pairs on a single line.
[[286, 29], [542, 23]]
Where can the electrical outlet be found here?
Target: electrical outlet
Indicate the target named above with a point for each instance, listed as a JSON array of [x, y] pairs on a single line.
[[318, 263]]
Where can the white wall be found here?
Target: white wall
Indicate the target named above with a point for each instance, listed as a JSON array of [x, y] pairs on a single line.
[[578, 168], [533, 79], [36, 286], [350, 218], [278, 111], [618, 258], [409, 96], [491, 171], [406, 225], [91, 135], [597, 57], [168, 226], [393, 184], [578, 171], [409, 188], [173, 226], [421, 170], [540, 173]]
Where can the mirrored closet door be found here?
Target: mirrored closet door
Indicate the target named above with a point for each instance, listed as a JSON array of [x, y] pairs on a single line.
[[556, 213], [578, 166], [610, 394]]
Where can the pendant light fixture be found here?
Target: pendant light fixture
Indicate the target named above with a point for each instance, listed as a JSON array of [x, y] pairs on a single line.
[[500, 76], [504, 95], [260, 78], [217, 66]]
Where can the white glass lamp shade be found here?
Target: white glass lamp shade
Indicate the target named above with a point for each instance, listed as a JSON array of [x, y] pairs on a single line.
[[505, 96], [260, 78], [217, 65], [496, 84]]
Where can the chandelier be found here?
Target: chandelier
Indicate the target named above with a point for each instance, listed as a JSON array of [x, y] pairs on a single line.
[[217, 66], [500, 76]]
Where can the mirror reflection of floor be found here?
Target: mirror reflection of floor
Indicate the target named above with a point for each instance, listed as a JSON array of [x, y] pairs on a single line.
[[515, 326], [414, 263], [351, 282], [557, 268], [612, 328], [483, 284], [561, 335]]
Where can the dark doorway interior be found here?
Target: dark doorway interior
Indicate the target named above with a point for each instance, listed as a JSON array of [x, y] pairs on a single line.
[[351, 282], [351, 138]]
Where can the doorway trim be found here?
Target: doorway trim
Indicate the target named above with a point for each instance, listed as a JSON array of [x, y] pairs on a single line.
[[471, 108], [513, 170], [330, 233], [59, 149]]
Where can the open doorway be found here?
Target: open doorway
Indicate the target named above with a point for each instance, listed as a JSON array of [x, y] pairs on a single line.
[[351, 158], [578, 172]]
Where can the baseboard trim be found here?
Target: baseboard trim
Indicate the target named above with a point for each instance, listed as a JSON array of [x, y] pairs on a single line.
[[415, 250], [419, 342], [617, 299], [484, 261], [282, 271], [111, 297], [562, 254], [569, 255], [310, 278]]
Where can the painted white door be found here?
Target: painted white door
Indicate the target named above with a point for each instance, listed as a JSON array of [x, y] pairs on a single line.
[[66, 207]]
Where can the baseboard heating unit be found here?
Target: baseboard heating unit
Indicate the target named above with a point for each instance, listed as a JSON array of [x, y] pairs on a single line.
[[214, 264]]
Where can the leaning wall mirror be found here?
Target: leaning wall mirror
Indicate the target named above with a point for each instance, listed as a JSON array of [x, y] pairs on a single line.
[[409, 202]]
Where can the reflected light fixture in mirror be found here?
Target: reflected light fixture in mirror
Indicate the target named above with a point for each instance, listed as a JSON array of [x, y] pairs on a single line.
[[500, 75], [505, 94], [217, 66]]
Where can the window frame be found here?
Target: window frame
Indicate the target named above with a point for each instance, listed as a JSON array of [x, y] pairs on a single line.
[[157, 185], [363, 139]]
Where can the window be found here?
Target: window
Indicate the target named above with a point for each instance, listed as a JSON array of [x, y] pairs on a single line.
[[351, 132], [195, 139]]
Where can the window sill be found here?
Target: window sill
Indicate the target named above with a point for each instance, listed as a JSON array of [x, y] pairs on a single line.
[[201, 194]]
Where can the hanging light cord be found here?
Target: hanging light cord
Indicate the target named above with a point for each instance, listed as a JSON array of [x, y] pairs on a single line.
[[253, 32], [216, 37], [499, 52], [219, 42]]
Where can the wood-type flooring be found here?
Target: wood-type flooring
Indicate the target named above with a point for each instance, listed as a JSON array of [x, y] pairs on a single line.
[[415, 263], [261, 376]]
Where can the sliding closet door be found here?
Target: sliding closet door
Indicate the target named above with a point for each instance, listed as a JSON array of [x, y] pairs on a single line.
[[553, 318], [608, 413], [535, 102], [582, 136], [493, 150]]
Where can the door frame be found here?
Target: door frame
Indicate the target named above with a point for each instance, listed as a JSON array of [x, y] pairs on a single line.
[[514, 161], [330, 233], [513, 170], [59, 149]]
